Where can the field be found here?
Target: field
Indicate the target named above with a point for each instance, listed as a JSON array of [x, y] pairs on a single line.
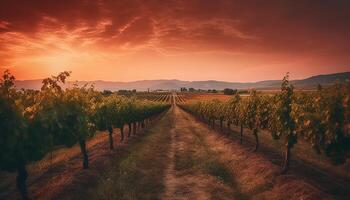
[[168, 145], [205, 96]]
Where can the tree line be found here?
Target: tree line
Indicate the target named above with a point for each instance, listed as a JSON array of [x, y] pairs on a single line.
[[322, 117], [226, 91], [33, 122]]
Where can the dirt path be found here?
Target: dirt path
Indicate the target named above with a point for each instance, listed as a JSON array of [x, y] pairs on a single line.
[[187, 175]]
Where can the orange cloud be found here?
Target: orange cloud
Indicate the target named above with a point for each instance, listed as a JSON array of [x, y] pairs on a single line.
[[194, 40]]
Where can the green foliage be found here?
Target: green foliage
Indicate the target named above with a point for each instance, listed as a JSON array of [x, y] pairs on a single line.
[[228, 91], [20, 140], [116, 111], [105, 115], [320, 117], [232, 112], [325, 121], [285, 124], [251, 111], [32, 122]]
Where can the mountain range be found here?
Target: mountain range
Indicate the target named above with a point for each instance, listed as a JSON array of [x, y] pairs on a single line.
[[174, 84]]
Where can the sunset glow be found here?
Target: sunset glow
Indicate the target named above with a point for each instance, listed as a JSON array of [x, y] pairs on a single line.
[[129, 40]]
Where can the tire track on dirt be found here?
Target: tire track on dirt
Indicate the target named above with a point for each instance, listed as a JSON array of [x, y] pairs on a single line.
[[184, 177]]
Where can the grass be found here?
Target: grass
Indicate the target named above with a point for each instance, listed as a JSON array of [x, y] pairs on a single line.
[[138, 172], [301, 152], [198, 157], [253, 175], [219, 170]]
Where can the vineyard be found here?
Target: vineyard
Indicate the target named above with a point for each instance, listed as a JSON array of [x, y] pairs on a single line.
[[163, 97], [33, 123], [321, 118], [55, 129], [202, 96]]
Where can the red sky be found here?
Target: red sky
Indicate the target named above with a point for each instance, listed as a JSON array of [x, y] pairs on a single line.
[[124, 40]]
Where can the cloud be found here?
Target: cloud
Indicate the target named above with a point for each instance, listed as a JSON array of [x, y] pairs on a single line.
[[299, 28], [276, 25]]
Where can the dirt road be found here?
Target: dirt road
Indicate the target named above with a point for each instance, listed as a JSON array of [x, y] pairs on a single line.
[[193, 171]]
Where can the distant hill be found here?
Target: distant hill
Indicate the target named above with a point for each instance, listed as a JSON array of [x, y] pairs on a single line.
[[323, 80], [143, 85]]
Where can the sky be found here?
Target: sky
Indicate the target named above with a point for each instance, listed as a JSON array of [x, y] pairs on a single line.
[[126, 40]]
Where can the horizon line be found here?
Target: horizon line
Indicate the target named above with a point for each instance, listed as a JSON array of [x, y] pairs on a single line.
[[174, 79]]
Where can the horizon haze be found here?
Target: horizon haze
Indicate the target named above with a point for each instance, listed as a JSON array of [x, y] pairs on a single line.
[[175, 84]]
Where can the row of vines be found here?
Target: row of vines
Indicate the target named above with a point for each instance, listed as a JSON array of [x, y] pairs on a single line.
[[154, 96], [33, 123], [179, 98], [322, 118]]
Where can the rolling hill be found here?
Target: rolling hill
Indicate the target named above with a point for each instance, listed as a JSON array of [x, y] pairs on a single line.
[[173, 84]]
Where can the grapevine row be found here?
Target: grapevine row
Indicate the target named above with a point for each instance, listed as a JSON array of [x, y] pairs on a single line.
[[32, 122], [322, 117]]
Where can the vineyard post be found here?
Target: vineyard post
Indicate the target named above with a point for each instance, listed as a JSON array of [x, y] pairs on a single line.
[[51, 151], [110, 131], [22, 176], [129, 133], [285, 163], [121, 133], [85, 155], [255, 133], [228, 129], [241, 133], [134, 127]]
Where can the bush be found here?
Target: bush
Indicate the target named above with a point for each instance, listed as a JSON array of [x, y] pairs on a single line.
[[229, 91]]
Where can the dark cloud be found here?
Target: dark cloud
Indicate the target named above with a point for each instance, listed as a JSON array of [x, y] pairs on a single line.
[[270, 26], [26, 16]]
